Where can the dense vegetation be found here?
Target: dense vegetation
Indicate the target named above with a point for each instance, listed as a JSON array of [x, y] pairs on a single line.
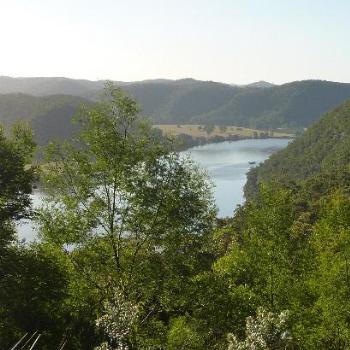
[[323, 150], [132, 257], [32, 279], [296, 104], [49, 116], [189, 101]]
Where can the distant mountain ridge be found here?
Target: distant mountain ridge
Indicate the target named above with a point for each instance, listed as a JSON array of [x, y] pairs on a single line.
[[261, 84], [50, 86], [188, 101]]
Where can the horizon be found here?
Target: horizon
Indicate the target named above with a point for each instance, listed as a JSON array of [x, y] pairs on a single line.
[[234, 42], [170, 79]]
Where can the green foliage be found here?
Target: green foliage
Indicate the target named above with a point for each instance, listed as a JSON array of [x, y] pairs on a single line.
[[272, 263], [32, 279], [136, 212], [290, 105], [15, 179], [32, 294], [49, 116], [332, 277], [262, 255], [181, 335], [323, 149], [130, 239]]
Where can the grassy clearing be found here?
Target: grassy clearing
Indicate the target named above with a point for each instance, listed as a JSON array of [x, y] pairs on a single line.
[[208, 132]]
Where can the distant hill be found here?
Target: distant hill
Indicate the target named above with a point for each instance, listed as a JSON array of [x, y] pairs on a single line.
[[323, 150], [297, 104], [261, 84], [188, 101], [50, 116], [180, 101], [50, 86]]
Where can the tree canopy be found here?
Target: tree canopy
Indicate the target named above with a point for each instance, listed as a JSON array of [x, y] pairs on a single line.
[[132, 256], [136, 212]]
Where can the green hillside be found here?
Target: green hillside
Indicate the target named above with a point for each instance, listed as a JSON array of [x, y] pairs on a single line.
[[180, 101], [50, 116], [188, 101], [323, 150], [296, 104]]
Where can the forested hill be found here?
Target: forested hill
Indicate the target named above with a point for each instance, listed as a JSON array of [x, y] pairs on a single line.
[[323, 150], [275, 274], [297, 104], [50, 86], [50, 116], [189, 101]]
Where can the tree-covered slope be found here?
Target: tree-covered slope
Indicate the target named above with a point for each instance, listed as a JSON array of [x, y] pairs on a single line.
[[50, 116], [189, 101], [180, 101], [296, 104], [147, 271], [323, 149]]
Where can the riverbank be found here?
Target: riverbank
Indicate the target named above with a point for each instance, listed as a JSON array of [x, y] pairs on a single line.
[[188, 136]]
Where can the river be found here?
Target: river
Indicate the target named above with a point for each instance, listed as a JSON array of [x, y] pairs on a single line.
[[227, 164]]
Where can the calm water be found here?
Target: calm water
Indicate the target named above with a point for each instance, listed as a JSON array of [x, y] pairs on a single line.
[[227, 164]]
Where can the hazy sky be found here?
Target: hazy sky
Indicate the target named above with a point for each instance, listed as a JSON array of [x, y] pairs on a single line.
[[234, 41]]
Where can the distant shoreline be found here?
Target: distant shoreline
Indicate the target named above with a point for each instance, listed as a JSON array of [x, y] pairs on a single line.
[[208, 142], [191, 135]]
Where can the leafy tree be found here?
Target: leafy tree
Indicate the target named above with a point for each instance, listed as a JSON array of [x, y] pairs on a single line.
[[15, 179], [331, 280], [182, 335], [136, 212], [32, 279], [260, 258], [269, 261], [32, 295]]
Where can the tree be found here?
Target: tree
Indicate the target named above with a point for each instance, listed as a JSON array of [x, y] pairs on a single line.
[[136, 212], [331, 280], [33, 291], [182, 335], [15, 179], [31, 280], [209, 129], [268, 331], [261, 253]]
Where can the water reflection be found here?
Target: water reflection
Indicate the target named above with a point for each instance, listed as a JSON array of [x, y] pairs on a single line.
[[228, 163]]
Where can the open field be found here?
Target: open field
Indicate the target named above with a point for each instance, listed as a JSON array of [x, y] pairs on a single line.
[[209, 132]]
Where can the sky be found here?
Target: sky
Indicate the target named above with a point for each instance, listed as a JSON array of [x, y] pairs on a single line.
[[232, 41]]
